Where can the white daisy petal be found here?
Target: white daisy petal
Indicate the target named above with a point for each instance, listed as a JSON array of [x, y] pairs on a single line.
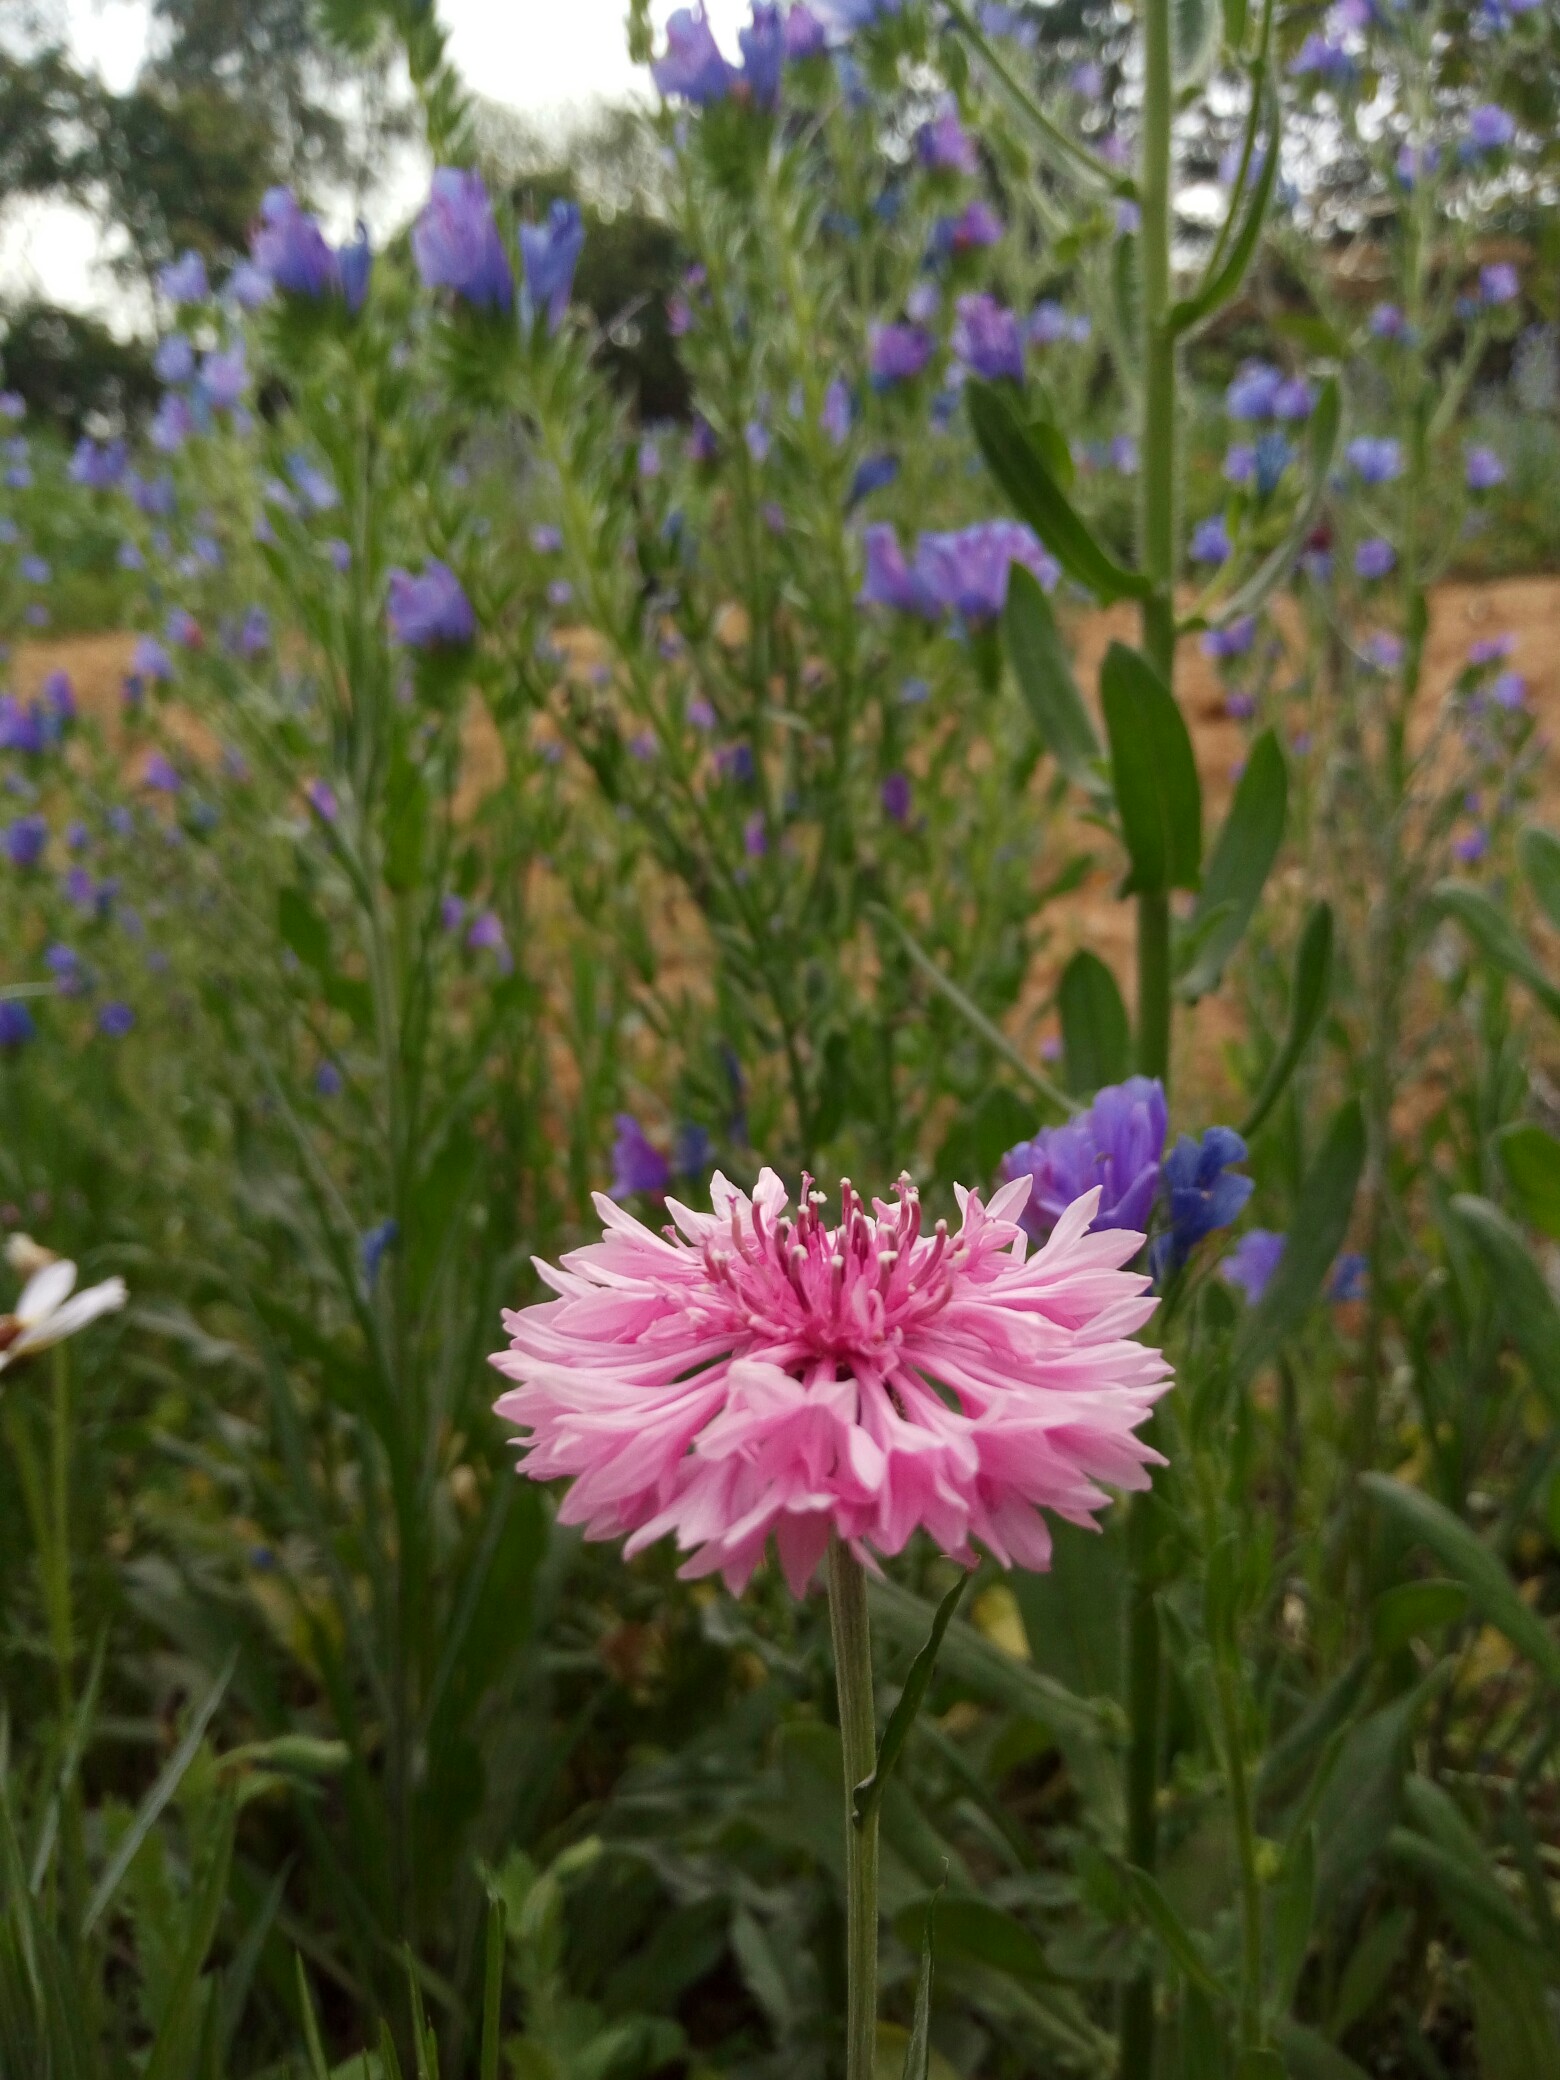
[[74, 1315], [45, 1291]]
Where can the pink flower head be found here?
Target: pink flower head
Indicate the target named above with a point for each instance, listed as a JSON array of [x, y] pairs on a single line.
[[746, 1374]]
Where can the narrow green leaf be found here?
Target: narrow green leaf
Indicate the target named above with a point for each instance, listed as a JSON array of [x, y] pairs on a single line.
[[869, 1791], [1294, 1909], [1497, 938], [1195, 38], [1482, 1572], [169, 1778], [406, 824], [1308, 994], [493, 1990], [918, 2052], [1326, 421], [1538, 855], [1530, 1157], [1158, 794], [303, 930], [1243, 856], [1314, 1237], [1014, 460], [1045, 679], [975, 1929], [1523, 1301], [1409, 1610], [1173, 1934], [170, 2049], [318, 2070], [1096, 1034], [1234, 24], [1371, 1962], [1218, 288]]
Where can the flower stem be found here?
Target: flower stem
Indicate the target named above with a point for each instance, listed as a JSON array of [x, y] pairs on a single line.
[[858, 1740]]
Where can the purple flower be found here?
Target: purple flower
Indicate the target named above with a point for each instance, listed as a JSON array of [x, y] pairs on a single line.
[[184, 280], [65, 965], [60, 695], [873, 473], [22, 729], [968, 570], [1233, 641], [1490, 128], [1491, 650], [896, 353], [692, 68], [321, 798], [549, 253], [1319, 57], [430, 611], [115, 1020], [452, 912], [98, 465], [1414, 162], [1471, 847], [174, 361], [755, 835], [249, 286], [1484, 469], [1348, 1278], [1270, 458], [946, 146], [355, 268], [35, 570], [173, 423], [486, 935], [1508, 690], [1252, 1262], [290, 248], [763, 54], [224, 377], [805, 36], [545, 540], [1116, 1144], [160, 775], [836, 414], [1293, 399], [1499, 283], [253, 636], [1374, 558], [16, 1025], [1240, 463], [1382, 650], [896, 798], [637, 1165], [153, 496], [1388, 322], [24, 840], [755, 437], [977, 225], [1203, 1191], [987, 339], [376, 1243], [1251, 395], [328, 1080], [1211, 540], [13, 405], [183, 630], [889, 581], [1375, 461], [1050, 325], [456, 245], [1129, 220]]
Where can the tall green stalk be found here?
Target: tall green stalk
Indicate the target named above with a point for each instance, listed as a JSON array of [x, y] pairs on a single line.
[[1157, 556], [858, 1741]]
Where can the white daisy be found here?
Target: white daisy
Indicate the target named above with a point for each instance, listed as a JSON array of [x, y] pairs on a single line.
[[50, 1309]]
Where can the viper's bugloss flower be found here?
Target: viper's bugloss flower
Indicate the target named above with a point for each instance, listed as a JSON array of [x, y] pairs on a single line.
[[1375, 558], [549, 254], [964, 572], [289, 247], [1483, 469], [1203, 1192], [16, 1025], [1375, 461], [376, 1242], [35, 570], [322, 799], [1116, 1146], [873, 473], [1050, 325], [1490, 128], [249, 286], [751, 1376], [456, 245], [98, 465], [945, 146], [23, 728], [805, 35], [13, 405], [1388, 322], [987, 339], [1253, 390], [59, 695], [172, 424], [1251, 1263], [896, 798], [25, 841], [637, 1164], [692, 68], [1232, 641], [160, 774], [1320, 58], [762, 44], [355, 269], [1499, 283], [485, 934], [328, 1081], [430, 611], [896, 353], [1382, 650], [149, 660], [184, 280], [1211, 540], [976, 226], [1508, 690], [116, 1019], [183, 630], [174, 361]]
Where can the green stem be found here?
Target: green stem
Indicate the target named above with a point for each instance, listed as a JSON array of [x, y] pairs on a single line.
[[1157, 553], [858, 1740]]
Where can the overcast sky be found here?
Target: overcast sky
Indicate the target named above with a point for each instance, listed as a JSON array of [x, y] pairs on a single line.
[[538, 56]]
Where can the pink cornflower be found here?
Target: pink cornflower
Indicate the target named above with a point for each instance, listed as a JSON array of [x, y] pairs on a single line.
[[752, 1375]]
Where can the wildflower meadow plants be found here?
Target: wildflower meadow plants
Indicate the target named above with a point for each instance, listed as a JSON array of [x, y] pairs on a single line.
[[508, 798]]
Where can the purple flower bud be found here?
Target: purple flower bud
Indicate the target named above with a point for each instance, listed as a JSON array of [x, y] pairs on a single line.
[[1129, 220], [1490, 128], [1211, 541], [889, 581], [1485, 470], [836, 414], [174, 361], [1509, 691], [1252, 1262], [328, 1080], [452, 912], [340, 554], [1319, 57], [1374, 558], [16, 1025], [183, 630], [637, 1165], [692, 69], [1382, 650], [149, 660], [35, 570], [873, 473], [1388, 322], [897, 353], [1375, 461], [160, 775], [354, 269], [945, 146], [1240, 464], [430, 611], [24, 841], [173, 423], [115, 1020], [1471, 846], [250, 286], [13, 405], [1233, 641], [987, 339], [755, 835], [756, 439], [486, 935], [60, 695], [805, 36], [224, 377], [184, 279], [98, 465], [763, 55], [1293, 399], [288, 246], [1499, 283], [549, 253], [975, 227], [456, 245], [1251, 395], [896, 798], [321, 798], [1491, 650]]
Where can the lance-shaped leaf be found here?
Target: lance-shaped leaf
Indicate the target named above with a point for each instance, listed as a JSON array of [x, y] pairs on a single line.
[[1308, 993], [1530, 1157], [1044, 675], [1497, 938], [918, 2052], [1538, 855], [1321, 1220], [1523, 1301], [869, 1791], [1326, 420], [1015, 460], [1174, 1935], [1158, 794], [1243, 856], [1482, 1573], [1227, 277], [1096, 1037]]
